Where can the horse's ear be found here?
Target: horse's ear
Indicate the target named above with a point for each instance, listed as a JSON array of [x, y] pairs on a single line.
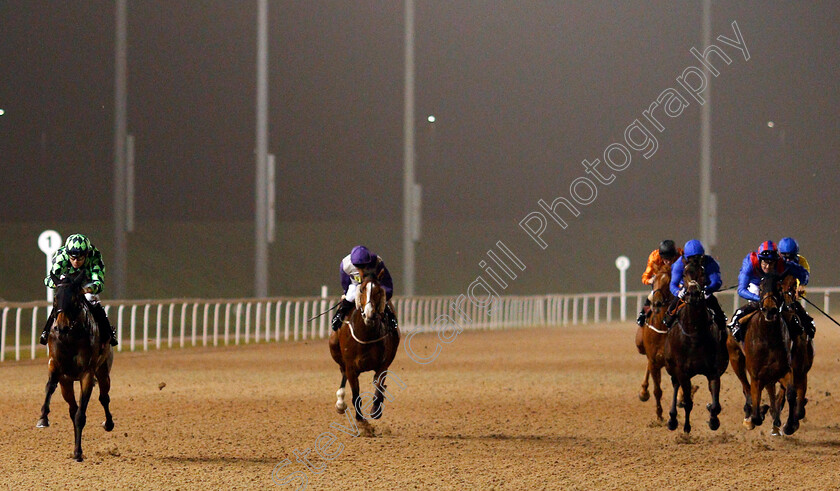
[[55, 279]]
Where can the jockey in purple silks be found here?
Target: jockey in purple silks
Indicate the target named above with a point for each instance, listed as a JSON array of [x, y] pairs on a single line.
[[354, 267]]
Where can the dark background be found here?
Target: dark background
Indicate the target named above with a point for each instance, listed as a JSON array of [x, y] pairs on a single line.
[[522, 92]]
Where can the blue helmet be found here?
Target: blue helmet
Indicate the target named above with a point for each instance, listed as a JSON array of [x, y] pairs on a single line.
[[788, 246], [768, 251], [693, 248], [361, 256]]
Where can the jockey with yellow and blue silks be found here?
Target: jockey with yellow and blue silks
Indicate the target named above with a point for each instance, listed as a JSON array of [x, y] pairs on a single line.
[[354, 267], [755, 266], [78, 254], [694, 249], [789, 250]]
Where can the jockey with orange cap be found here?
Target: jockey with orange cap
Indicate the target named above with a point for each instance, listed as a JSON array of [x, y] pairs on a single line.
[[756, 264], [354, 267], [658, 261]]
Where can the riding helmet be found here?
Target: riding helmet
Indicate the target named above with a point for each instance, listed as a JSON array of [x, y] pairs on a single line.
[[788, 246], [667, 249], [361, 256], [693, 248], [78, 245], [767, 251]]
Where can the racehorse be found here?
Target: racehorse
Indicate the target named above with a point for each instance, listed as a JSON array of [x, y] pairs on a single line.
[[364, 342], [76, 353], [693, 346], [765, 356], [653, 338], [802, 351]]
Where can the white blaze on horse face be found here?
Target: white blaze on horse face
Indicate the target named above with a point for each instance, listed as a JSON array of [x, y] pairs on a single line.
[[368, 304]]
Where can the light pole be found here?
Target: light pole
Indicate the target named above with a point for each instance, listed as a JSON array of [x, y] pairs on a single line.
[[408, 153]]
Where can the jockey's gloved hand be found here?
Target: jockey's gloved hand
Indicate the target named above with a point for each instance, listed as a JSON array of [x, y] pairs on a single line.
[[681, 294]]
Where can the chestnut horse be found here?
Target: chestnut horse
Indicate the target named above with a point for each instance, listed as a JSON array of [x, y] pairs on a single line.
[[365, 342], [76, 352], [693, 346], [653, 338], [765, 357]]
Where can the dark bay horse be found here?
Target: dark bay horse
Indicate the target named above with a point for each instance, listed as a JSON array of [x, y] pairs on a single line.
[[365, 342], [76, 353], [765, 357], [802, 350], [652, 341], [694, 346]]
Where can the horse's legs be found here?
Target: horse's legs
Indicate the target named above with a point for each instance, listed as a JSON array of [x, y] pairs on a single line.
[[739, 366], [103, 376], [775, 409], [672, 419], [340, 406], [52, 382], [69, 396], [656, 373], [714, 406], [644, 394], [640, 340], [801, 387], [688, 402], [756, 416], [792, 422], [353, 378], [379, 395], [81, 418]]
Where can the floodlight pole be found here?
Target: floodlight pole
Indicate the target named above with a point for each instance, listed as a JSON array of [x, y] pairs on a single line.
[[409, 192]]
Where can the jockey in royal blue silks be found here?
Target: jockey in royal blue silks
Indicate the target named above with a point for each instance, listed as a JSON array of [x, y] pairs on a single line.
[[694, 249], [755, 265], [354, 267]]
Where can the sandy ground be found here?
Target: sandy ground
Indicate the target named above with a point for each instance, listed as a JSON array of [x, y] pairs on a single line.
[[520, 409]]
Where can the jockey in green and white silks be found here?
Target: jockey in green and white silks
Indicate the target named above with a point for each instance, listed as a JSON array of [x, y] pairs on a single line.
[[79, 254]]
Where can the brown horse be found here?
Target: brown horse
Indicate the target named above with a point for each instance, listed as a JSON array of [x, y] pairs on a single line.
[[802, 351], [765, 357], [653, 338], [363, 343], [694, 346], [76, 352]]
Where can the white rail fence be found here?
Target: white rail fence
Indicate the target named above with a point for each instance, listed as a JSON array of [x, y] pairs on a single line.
[[156, 324]]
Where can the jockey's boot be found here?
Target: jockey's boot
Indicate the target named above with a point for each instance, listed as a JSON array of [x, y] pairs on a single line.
[[390, 317], [104, 324], [640, 320], [46, 331], [735, 326], [343, 308]]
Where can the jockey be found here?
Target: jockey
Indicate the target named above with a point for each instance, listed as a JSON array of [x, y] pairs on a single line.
[[755, 265], [354, 267], [78, 254], [789, 250], [694, 248], [658, 261]]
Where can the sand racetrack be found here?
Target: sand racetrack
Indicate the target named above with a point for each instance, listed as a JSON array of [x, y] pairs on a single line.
[[551, 408]]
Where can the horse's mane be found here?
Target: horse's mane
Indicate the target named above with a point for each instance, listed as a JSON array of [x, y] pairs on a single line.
[[769, 282]]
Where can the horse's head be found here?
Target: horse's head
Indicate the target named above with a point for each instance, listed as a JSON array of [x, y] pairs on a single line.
[[694, 280], [68, 301], [770, 296], [661, 290], [371, 300], [788, 286]]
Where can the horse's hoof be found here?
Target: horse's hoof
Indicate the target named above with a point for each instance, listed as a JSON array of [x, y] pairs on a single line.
[[775, 431], [78, 458], [672, 424], [42, 423], [790, 429], [108, 425], [748, 424], [714, 424], [644, 395], [340, 409]]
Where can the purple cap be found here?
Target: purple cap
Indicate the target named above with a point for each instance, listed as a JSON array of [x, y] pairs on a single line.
[[361, 256]]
